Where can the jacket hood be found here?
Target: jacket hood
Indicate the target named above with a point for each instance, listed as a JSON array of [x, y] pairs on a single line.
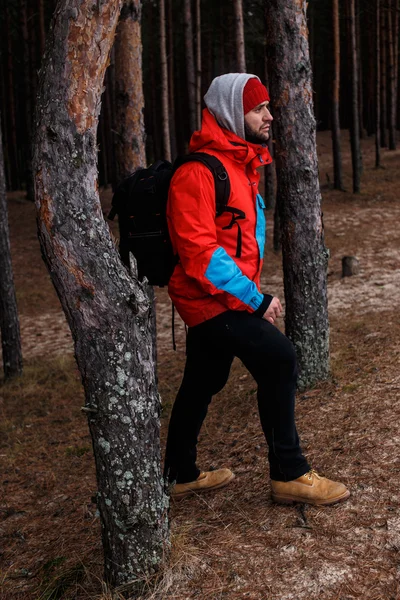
[[212, 136], [224, 100]]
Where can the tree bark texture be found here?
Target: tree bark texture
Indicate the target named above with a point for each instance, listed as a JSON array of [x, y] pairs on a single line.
[[396, 17], [130, 139], [360, 71], [355, 122], [392, 47], [9, 323], [190, 69], [11, 113], [384, 115], [42, 28], [171, 82], [240, 47], [108, 311], [304, 254], [336, 145], [28, 101], [164, 84], [378, 87], [198, 64]]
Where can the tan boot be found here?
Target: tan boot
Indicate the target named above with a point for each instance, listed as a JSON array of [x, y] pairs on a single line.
[[310, 488], [207, 480]]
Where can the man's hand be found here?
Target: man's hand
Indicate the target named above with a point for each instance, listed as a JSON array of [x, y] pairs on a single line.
[[273, 311]]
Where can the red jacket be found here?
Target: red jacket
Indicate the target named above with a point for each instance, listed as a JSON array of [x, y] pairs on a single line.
[[209, 279]]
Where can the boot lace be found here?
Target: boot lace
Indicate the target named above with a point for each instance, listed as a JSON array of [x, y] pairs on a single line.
[[312, 473]]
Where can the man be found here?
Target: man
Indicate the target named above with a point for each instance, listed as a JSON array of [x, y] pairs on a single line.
[[216, 289]]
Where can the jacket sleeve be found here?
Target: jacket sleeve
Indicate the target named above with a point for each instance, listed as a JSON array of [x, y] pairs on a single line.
[[191, 221]]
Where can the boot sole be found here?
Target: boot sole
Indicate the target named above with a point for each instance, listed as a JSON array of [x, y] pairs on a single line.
[[190, 492], [297, 499]]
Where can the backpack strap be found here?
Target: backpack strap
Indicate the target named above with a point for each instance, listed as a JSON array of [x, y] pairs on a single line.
[[221, 179], [222, 189]]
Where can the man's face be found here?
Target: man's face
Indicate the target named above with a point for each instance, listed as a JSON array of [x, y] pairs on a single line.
[[257, 124]]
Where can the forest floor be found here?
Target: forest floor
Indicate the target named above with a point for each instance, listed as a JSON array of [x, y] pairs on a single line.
[[234, 543]]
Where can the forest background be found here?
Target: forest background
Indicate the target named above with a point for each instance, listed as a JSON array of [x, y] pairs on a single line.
[[220, 550]]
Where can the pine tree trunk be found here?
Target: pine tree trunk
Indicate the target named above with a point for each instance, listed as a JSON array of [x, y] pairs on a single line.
[[171, 82], [277, 239], [9, 323], [3, 127], [107, 310], [377, 87], [240, 47], [355, 122], [336, 145], [391, 76], [110, 127], [164, 84], [304, 254], [130, 144], [269, 187], [11, 113], [198, 64], [190, 71], [396, 17], [360, 72], [370, 99], [28, 102], [42, 28], [156, 124], [384, 119], [102, 155]]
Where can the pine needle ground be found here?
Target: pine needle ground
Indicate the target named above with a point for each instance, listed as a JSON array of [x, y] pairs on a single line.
[[234, 543]]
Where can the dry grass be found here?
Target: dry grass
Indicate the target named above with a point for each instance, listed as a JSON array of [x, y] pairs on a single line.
[[233, 544]]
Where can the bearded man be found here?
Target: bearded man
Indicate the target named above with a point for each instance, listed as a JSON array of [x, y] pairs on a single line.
[[215, 287]]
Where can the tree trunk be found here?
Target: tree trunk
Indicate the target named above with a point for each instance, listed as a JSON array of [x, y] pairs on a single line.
[[9, 323], [396, 16], [3, 127], [336, 146], [190, 71], [355, 123], [42, 28], [164, 84], [107, 310], [110, 126], [11, 113], [277, 239], [102, 156], [171, 82], [28, 101], [360, 72], [391, 76], [384, 119], [269, 187], [198, 64], [130, 148], [240, 47], [378, 88], [370, 98], [304, 254]]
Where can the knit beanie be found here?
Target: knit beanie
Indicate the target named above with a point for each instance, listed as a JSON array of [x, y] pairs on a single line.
[[254, 93]]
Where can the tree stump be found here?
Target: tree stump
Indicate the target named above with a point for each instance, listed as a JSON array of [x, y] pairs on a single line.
[[350, 266]]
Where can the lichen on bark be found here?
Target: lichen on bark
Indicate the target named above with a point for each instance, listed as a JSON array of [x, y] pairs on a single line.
[[305, 257], [107, 309]]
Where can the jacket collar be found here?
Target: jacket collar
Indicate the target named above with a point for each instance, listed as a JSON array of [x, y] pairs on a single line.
[[212, 136]]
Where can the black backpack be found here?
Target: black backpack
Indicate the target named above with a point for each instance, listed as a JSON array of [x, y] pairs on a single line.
[[140, 201]]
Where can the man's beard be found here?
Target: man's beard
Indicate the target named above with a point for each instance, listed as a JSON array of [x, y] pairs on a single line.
[[255, 137]]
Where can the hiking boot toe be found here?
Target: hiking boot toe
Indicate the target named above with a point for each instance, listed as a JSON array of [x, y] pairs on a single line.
[[206, 481], [310, 488]]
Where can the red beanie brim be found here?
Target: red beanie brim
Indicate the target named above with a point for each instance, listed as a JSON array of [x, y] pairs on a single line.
[[254, 93]]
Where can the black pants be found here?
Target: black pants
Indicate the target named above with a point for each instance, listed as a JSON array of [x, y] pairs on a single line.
[[270, 358]]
